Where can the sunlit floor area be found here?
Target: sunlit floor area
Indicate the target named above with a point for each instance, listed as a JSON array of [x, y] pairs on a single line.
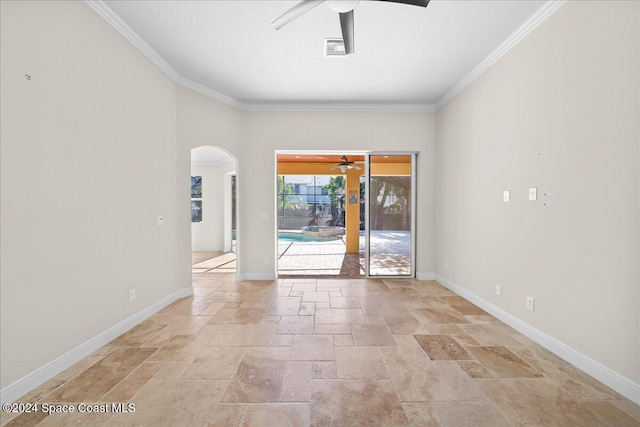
[[390, 256], [328, 258], [390, 252], [327, 352], [213, 262]]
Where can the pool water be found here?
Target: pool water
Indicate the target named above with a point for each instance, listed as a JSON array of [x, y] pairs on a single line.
[[297, 237]]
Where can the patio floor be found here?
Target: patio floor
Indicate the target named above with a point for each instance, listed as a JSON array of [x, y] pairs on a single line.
[[390, 256]]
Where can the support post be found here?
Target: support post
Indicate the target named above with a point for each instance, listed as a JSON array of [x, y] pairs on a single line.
[[352, 212]]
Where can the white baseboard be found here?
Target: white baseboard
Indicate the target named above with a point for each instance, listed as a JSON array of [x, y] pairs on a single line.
[[241, 277], [24, 385], [426, 276], [619, 383]]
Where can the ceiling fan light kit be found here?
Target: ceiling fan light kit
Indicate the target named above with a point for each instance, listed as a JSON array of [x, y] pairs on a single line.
[[345, 9], [345, 165]]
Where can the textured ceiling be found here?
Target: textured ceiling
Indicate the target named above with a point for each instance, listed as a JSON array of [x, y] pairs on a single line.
[[404, 54]]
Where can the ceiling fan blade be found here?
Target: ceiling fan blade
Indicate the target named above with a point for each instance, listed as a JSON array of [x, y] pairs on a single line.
[[346, 23], [356, 167], [422, 3], [295, 12]]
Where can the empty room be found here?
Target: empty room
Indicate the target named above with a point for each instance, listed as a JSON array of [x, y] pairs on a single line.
[[320, 213]]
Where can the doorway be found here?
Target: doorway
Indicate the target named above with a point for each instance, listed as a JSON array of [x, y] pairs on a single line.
[[213, 212], [389, 214], [348, 214]]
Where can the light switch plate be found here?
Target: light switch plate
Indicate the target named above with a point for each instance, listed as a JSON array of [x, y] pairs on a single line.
[[506, 196], [533, 193], [264, 217]]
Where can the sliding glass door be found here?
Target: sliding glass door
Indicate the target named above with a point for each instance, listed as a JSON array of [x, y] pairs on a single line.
[[390, 214]]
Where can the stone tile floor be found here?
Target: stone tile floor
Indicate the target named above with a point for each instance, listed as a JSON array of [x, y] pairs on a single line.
[[334, 352], [213, 262]]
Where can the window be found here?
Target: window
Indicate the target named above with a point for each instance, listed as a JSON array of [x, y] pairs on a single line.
[[196, 199], [307, 200]]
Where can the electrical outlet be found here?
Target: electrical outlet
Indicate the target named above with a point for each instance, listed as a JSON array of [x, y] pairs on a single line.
[[132, 295], [445, 266], [530, 304], [506, 196], [498, 290], [533, 193], [159, 220]]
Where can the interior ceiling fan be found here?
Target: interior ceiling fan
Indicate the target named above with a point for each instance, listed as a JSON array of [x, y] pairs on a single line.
[[344, 8], [345, 165]]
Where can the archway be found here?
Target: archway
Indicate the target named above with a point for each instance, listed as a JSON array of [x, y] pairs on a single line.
[[213, 213]]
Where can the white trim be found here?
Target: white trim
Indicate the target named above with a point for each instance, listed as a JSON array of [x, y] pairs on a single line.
[[386, 107], [241, 277], [619, 383], [426, 276], [531, 24], [116, 22], [120, 26], [204, 90], [24, 385]]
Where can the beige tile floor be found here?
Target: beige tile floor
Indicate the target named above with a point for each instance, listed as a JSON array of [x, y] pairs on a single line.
[[327, 352], [213, 262]]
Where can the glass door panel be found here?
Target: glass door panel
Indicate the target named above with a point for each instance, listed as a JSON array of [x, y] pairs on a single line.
[[390, 202]]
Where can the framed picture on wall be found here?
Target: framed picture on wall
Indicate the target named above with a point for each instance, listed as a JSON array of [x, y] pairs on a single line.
[[196, 187], [196, 211], [196, 199]]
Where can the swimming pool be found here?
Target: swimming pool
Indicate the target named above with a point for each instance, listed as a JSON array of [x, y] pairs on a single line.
[[297, 237]]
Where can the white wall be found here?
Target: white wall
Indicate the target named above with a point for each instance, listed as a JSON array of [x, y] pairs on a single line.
[[78, 209], [253, 139], [559, 112], [208, 235], [267, 132], [202, 121]]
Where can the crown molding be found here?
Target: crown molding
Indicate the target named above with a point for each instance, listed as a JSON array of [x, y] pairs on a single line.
[[119, 25], [116, 22], [339, 107], [531, 24], [110, 16], [207, 91]]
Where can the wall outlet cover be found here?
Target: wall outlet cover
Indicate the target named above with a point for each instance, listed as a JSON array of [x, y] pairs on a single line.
[[506, 196], [530, 303], [533, 193]]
